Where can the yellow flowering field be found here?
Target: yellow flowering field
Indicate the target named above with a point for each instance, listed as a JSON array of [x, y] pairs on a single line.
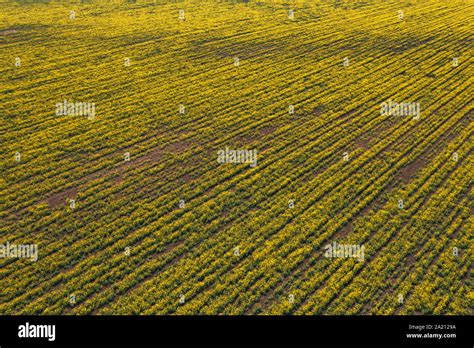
[[236, 157]]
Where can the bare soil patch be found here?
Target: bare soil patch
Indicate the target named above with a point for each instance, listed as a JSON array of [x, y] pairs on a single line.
[[408, 172], [362, 143], [61, 198], [8, 32], [268, 130]]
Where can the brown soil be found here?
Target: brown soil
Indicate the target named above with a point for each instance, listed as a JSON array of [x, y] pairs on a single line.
[[363, 144], [319, 110], [187, 178], [267, 130], [348, 228], [179, 146], [408, 172], [8, 32], [61, 198]]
